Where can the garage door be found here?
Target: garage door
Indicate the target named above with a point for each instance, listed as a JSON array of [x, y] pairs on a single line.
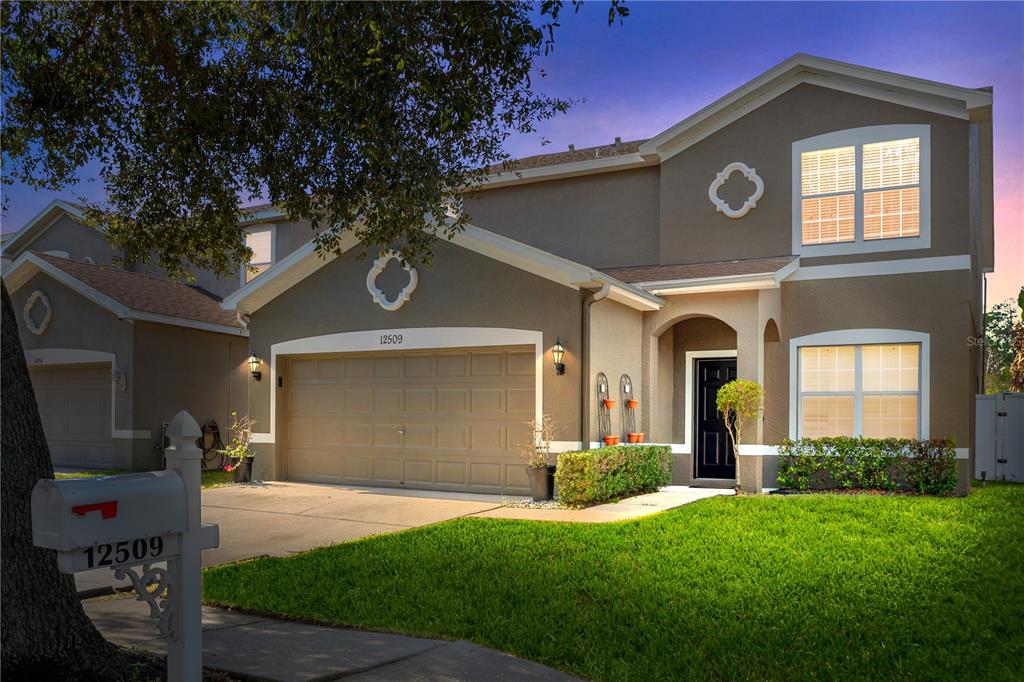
[[451, 420], [74, 403]]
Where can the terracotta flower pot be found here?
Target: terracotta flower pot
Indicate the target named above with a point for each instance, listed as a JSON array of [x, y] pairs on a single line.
[[609, 403], [611, 440], [640, 437], [633, 437], [631, 403]]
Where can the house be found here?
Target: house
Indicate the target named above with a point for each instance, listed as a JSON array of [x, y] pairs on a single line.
[[823, 230], [115, 349]]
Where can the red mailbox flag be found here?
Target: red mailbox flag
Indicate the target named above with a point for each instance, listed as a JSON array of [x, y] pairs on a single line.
[[107, 510]]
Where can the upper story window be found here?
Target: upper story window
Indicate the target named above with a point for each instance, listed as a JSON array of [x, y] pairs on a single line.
[[861, 190], [260, 241]]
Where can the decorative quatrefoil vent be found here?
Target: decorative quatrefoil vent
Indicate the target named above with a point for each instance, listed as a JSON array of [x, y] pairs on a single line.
[[37, 296], [379, 297], [721, 178]]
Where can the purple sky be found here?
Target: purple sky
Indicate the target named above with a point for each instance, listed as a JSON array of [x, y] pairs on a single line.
[[670, 59]]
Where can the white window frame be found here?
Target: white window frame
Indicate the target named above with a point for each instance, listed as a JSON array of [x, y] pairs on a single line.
[[858, 137], [273, 248], [861, 337]]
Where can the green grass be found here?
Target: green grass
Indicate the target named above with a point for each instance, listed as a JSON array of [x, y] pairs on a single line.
[[211, 479], [763, 587]]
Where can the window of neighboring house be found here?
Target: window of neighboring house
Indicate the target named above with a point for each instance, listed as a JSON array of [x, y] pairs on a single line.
[[870, 390], [261, 243], [864, 189]]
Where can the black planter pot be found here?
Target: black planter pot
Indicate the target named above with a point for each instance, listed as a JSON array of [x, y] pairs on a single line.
[[541, 483], [242, 473]]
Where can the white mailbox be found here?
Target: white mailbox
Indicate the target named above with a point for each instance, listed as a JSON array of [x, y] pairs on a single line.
[[132, 524], [83, 512]]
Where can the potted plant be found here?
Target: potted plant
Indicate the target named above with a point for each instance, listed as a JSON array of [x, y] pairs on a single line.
[[633, 437], [537, 453], [611, 440], [238, 454]]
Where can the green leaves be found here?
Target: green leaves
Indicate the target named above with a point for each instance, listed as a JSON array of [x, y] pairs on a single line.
[[364, 117]]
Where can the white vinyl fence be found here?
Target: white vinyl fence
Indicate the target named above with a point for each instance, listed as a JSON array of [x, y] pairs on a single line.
[[999, 437]]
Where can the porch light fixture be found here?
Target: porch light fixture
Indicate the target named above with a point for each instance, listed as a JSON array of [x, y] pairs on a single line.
[[254, 367], [557, 351]]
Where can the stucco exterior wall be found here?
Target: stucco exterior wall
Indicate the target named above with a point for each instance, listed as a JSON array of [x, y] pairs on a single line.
[[693, 231], [615, 341], [186, 369], [78, 323], [697, 333], [78, 240], [604, 220], [461, 289]]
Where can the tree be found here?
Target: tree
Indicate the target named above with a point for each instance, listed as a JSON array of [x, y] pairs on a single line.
[[999, 326], [355, 116], [1017, 366], [370, 117], [738, 401]]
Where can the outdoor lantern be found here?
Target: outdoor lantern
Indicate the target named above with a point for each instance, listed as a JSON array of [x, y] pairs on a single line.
[[254, 367], [557, 351]]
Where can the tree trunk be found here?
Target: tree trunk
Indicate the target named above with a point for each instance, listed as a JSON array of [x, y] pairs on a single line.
[[45, 633]]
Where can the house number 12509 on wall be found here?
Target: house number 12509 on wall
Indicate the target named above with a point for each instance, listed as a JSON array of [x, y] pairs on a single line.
[[390, 339]]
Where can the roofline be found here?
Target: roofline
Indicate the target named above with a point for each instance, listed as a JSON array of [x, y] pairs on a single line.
[[28, 264], [941, 98], [769, 279], [39, 222], [305, 260]]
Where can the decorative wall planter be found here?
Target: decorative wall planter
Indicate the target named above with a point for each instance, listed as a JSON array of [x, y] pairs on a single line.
[[609, 403], [631, 403]]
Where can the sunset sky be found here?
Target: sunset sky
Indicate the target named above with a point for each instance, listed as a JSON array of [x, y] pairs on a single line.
[[670, 59]]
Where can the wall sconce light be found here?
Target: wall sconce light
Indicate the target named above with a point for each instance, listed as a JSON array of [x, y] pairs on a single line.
[[557, 351], [254, 367]]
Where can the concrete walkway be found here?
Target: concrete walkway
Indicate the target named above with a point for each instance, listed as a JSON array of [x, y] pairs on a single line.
[[290, 652], [630, 508]]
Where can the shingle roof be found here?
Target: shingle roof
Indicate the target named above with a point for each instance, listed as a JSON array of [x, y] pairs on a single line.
[[728, 268], [569, 156], [146, 293]]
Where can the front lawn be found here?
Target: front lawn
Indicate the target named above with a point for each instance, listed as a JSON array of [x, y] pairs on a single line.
[[762, 587], [210, 479]]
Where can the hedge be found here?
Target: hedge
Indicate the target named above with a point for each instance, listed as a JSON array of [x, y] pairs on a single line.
[[927, 466], [591, 476]]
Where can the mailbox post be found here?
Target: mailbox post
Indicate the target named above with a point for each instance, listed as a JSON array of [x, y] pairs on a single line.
[[128, 523]]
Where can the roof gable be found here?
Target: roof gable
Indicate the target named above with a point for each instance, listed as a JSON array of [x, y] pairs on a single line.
[[20, 240]]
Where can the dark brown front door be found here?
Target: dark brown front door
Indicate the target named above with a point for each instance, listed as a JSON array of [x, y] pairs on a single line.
[[713, 453]]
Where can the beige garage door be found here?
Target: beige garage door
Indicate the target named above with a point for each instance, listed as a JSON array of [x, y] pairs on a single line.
[[74, 403], [450, 420]]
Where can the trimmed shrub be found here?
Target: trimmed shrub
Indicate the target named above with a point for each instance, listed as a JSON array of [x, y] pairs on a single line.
[[867, 464], [932, 469], [591, 476]]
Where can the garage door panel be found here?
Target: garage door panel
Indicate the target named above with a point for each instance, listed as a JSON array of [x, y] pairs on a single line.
[[303, 369], [75, 410], [449, 420]]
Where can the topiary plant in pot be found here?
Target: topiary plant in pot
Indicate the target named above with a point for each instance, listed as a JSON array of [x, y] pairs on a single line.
[[537, 455]]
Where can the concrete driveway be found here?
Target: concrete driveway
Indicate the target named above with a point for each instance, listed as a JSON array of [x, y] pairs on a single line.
[[282, 518]]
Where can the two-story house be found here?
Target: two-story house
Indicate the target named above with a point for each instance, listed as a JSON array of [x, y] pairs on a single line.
[[823, 230], [115, 348]]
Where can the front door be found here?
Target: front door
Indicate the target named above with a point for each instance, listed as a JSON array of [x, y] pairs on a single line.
[[713, 453]]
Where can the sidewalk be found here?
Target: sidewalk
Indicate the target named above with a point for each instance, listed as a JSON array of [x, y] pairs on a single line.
[[292, 652]]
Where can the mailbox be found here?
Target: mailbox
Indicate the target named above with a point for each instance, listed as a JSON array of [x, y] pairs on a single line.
[[79, 513]]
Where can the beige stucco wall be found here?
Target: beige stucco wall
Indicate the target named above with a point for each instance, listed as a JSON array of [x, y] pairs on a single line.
[[461, 289], [693, 231], [615, 341], [78, 240], [603, 220], [186, 369], [78, 323], [693, 334]]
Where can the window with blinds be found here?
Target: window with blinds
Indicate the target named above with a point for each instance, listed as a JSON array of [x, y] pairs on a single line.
[[261, 243], [867, 390], [885, 199]]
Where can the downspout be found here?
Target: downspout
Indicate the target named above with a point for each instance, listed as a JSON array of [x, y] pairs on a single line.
[[590, 299]]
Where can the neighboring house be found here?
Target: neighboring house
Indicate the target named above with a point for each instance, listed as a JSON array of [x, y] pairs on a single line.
[[823, 230], [113, 352]]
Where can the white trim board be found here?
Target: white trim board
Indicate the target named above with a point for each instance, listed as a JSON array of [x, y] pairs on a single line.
[[55, 357], [691, 356], [899, 266], [413, 338], [862, 337]]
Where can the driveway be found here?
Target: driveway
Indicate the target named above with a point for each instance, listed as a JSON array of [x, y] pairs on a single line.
[[281, 518]]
